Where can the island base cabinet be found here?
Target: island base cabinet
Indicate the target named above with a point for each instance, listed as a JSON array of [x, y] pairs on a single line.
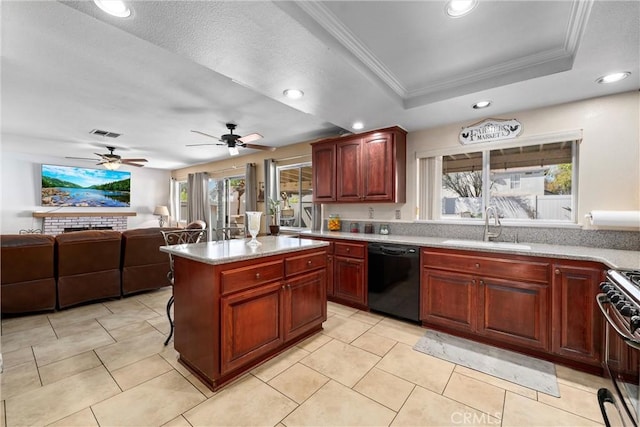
[[514, 312], [304, 303], [251, 325]]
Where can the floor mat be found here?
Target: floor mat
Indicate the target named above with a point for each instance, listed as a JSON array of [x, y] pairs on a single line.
[[526, 371]]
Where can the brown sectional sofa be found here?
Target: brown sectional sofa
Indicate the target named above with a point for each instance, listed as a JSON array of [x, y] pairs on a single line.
[[28, 281], [41, 273]]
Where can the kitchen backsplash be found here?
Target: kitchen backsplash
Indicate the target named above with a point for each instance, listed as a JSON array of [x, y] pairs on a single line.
[[610, 239]]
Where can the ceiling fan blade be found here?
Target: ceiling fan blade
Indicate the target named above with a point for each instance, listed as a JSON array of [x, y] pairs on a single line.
[[205, 134], [104, 156], [198, 145], [82, 158], [259, 147], [250, 138], [131, 164], [134, 160]]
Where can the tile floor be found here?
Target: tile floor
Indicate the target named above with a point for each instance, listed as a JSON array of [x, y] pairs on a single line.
[[105, 365]]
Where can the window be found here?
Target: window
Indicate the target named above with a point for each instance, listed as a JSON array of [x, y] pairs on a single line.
[[296, 195], [524, 182], [183, 197], [227, 203]]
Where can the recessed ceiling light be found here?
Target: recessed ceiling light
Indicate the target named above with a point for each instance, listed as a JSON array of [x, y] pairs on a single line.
[[613, 77], [293, 93], [481, 104], [114, 7], [458, 8], [357, 125]]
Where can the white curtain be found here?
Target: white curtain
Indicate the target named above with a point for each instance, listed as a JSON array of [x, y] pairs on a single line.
[[173, 202], [198, 198], [270, 186]]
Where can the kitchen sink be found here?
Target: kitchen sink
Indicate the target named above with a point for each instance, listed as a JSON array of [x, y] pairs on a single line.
[[482, 244]]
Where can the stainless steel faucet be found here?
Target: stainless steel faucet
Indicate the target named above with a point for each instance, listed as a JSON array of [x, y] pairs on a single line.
[[489, 235]]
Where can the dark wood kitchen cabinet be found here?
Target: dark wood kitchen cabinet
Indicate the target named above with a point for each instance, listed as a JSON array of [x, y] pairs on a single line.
[[368, 167], [504, 299], [577, 321], [349, 266]]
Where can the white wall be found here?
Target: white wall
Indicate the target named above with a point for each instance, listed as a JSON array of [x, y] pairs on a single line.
[[20, 192], [609, 159]]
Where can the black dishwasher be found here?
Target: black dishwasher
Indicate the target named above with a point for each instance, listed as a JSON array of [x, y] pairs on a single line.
[[394, 280]]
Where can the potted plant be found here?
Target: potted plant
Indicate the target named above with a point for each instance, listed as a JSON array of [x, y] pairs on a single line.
[[274, 209]]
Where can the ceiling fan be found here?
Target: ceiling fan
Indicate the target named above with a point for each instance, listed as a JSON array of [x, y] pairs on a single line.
[[113, 161], [234, 141]]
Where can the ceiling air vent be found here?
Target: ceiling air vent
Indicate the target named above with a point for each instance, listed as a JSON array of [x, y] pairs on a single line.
[[105, 133]]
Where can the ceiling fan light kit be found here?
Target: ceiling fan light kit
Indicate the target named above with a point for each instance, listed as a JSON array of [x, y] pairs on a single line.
[[113, 161]]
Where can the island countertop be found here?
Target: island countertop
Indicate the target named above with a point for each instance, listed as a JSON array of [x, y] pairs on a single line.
[[233, 250]]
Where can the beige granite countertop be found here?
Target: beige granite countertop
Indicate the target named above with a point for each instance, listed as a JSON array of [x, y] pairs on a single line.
[[610, 257], [238, 250]]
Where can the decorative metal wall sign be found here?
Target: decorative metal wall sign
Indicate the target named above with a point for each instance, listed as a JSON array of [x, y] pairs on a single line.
[[490, 130]]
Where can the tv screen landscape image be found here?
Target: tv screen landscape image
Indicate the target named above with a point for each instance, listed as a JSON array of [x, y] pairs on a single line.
[[83, 187]]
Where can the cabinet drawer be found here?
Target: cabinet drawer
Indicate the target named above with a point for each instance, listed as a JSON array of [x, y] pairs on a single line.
[[250, 276], [303, 263], [504, 268], [354, 250]]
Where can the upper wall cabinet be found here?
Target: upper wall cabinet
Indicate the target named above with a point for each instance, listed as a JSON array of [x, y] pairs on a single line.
[[368, 167]]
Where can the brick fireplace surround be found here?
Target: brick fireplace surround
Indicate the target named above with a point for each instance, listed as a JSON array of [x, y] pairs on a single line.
[[55, 222]]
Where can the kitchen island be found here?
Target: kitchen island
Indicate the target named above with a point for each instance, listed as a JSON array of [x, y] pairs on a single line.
[[238, 305]]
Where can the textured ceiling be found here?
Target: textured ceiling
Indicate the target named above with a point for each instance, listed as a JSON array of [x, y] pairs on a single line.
[[172, 67]]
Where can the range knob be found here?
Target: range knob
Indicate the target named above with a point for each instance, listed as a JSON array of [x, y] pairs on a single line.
[[628, 310], [614, 297], [621, 304], [605, 287], [635, 323]]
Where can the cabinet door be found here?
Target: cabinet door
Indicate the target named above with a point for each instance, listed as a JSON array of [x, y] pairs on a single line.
[[251, 325], [378, 167], [514, 312], [324, 172], [305, 304], [349, 282], [448, 299], [349, 171], [577, 319]]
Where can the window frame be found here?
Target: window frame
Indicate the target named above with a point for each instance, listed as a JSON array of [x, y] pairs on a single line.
[[298, 166], [429, 182]]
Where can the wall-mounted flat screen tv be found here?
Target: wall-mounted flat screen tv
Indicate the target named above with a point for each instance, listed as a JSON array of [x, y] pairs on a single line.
[[64, 186]]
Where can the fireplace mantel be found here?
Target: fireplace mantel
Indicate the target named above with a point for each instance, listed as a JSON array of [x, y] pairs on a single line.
[[80, 214]]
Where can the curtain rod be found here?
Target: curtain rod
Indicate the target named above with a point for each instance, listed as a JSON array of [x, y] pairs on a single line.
[[292, 157]]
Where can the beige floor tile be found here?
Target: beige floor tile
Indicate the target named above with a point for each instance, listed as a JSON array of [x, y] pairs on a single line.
[[82, 327], [341, 362], [385, 388], [19, 379], [426, 371], [202, 387], [475, 393], [581, 380], [78, 314], [279, 364], [82, 418], [169, 354], [398, 331], [24, 323], [498, 382], [139, 372], [344, 329], [366, 317], [574, 400], [131, 330], [426, 408], [337, 405], [68, 367], [248, 402], [125, 306], [17, 357], [314, 342], [520, 411], [339, 309], [126, 318], [161, 324], [373, 343], [177, 422], [2, 415], [131, 350], [152, 403], [298, 382], [18, 340], [55, 401], [70, 346]]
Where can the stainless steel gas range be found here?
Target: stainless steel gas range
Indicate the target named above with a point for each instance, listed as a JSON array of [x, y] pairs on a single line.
[[620, 305]]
